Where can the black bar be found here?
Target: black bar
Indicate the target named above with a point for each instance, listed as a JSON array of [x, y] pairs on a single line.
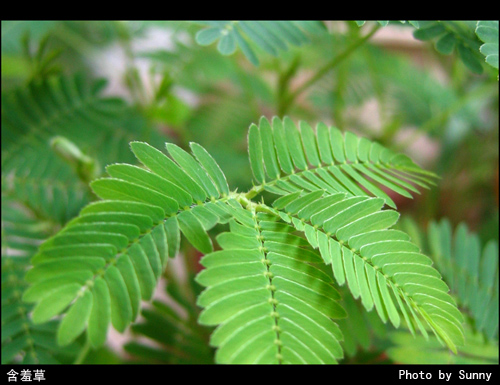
[[161, 374]]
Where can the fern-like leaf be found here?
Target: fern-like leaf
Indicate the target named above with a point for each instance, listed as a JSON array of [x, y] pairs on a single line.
[[453, 36], [54, 106], [471, 270], [22, 340], [385, 23], [460, 36], [103, 263], [286, 159], [379, 265], [271, 304], [270, 36], [100, 266], [487, 31], [31, 116]]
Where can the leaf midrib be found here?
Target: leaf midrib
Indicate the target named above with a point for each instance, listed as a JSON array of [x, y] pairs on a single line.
[[257, 189], [113, 261], [405, 296]]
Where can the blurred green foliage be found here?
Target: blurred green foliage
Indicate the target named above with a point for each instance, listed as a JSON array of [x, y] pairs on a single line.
[[102, 84]]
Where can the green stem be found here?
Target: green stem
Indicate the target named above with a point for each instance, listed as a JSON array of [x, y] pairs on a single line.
[[133, 80], [283, 85], [245, 199], [272, 289], [328, 67], [255, 190], [83, 353]]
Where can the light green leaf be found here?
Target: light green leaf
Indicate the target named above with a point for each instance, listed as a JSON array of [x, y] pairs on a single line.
[[193, 169], [255, 153], [121, 310], [76, 266], [281, 146], [430, 32], [446, 44], [111, 188], [328, 160], [75, 321], [364, 289], [227, 44], [152, 181], [55, 302], [194, 231], [469, 59], [208, 36], [100, 315], [143, 270], [309, 141], [127, 271], [271, 36], [110, 206], [211, 167], [283, 201], [294, 144], [260, 284], [487, 31], [376, 221], [173, 236], [52, 282], [162, 165], [299, 203], [268, 152]]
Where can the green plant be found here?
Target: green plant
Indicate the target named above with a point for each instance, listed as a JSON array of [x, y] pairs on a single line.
[[102, 263], [472, 271], [114, 217]]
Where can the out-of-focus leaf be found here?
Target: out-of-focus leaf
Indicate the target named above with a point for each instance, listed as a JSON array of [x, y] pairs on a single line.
[[487, 31], [270, 36]]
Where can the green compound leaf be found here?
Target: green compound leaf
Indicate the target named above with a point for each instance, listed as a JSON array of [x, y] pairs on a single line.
[[380, 265], [270, 36], [455, 35], [487, 31], [269, 302], [329, 160], [23, 341], [385, 23], [471, 270], [269, 290], [103, 263], [76, 320]]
